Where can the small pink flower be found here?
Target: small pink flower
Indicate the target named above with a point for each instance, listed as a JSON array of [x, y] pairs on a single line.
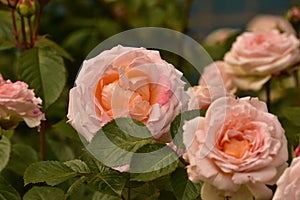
[[255, 56], [288, 185], [237, 144], [126, 82], [17, 102], [215, 82]]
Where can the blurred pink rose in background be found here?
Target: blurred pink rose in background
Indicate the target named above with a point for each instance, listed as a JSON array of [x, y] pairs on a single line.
[[18, 103], [288, 185], [214, 83], [297, 151], [255, 56], [266, 23], [126, 82], [237, 144], [220, 36]]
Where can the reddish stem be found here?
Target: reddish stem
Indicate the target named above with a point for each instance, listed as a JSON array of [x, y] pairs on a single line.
[[37, 27], [42, 141], [23, 32]]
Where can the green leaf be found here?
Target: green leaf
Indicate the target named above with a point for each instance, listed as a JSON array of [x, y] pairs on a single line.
[[145, 192], [45, 42], [77, 166], [6, 30], [57, 150], [178, 122], [65, 129], [51, 172], [116, 142], [5, 44], [183, 188], [44, 71], [153, 161], [101, 196], [7, 192], [44, 193], [21, 157], [76, 185], [109, 182], [292, 114], [5, 148]]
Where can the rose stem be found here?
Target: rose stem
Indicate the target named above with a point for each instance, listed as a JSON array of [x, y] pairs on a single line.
[[23, 32], [15, 28], [268, 94], [37, 27], [42, 141], [128, 194], [30, 32]]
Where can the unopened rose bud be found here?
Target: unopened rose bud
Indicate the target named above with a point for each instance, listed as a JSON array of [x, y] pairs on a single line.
[[26, 8], [9, 123]]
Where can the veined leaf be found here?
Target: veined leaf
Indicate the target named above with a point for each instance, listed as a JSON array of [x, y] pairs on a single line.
[[109, 182], [7, 192], [116, 142], [101, 196], [45, 42], [153, 161], [44, 193], [44, 71], [4, 152], [183, 188], [51, 172]]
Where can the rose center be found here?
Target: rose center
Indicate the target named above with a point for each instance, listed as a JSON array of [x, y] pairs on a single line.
[[236, 148]]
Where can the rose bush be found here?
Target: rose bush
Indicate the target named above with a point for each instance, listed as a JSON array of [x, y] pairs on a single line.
[[18, 103], [288, 185], [237, 144], [126, 82], [214, 83], [256, 56]]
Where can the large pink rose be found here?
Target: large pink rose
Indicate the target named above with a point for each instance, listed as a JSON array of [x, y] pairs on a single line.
[[126, 82], [214, 83], [237, 146], [255, 56], [17, 103], [288, 185]]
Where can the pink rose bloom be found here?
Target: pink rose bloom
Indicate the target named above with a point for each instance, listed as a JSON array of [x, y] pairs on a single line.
[[237, 146], [266, 23], [297, 151], [255, 56], [288, 185], [219, 36], [126, 82], [17, 102], [215, 82]]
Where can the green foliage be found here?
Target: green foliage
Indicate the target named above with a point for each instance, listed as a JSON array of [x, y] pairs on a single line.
[[51, 172], [153, 161], [7, 192], [5, 148], [117, 141], [21, 157], [183, 188], [100, 196], [292, 114], [44, 193], [177, 125], [43, 69]]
